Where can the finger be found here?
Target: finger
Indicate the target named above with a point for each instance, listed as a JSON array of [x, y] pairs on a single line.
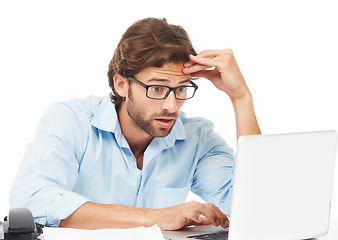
[[215, 215], [214, 53], [204, 221], [208, 210], [193, 59], [206, 63], [195, 68], [189, 63], [192, 223], [213, 57], [221, 217], [204, 54], [204, 60], [210, 53], [203, 74], [194, 216], [209, 214]]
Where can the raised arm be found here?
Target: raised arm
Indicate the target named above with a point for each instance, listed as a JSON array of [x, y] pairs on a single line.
[[220, 67]]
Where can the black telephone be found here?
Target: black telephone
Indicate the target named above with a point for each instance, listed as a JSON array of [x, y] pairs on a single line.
[[19, 225]]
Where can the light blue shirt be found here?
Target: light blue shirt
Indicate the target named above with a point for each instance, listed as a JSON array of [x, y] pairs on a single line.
[[79, 154]]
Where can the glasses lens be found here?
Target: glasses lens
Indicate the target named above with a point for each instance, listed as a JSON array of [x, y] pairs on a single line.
[[157, 92], [185, 92], [161, 92]]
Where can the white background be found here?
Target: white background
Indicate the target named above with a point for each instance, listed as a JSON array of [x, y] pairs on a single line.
[[57, 50]]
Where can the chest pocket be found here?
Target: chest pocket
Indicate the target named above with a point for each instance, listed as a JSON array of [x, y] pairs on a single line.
[[167, 196]]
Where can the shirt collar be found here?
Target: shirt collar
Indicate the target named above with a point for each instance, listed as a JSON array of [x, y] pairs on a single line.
[[177, 133], [105, 118]]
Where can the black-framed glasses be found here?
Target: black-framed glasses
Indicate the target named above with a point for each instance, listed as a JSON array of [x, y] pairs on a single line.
[[159, 92]]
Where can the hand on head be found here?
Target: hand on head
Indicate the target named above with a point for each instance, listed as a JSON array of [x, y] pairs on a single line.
[[220, 67]]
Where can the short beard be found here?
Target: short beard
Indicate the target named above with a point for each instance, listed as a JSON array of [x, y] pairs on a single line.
[[135, 113]]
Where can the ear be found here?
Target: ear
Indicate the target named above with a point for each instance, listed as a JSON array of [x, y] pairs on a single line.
[[121, 85]]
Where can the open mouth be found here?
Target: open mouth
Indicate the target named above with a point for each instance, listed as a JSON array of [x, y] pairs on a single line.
[[164, 120], [164, 123]]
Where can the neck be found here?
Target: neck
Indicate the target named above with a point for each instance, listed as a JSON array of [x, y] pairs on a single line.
[[137, 139]]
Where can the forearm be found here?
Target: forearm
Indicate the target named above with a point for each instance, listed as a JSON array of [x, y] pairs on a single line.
[[94, 216], [246, 121]]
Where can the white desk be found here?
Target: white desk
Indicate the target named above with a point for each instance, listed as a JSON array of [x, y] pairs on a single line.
[[332, 235]]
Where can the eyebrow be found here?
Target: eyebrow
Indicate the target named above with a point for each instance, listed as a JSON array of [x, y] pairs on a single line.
[[163, 80]]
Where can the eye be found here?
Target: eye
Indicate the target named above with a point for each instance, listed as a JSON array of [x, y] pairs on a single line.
[[182, 89], [157, 89]]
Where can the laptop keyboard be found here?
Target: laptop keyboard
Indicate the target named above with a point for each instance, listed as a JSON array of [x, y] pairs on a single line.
[[211, 236]]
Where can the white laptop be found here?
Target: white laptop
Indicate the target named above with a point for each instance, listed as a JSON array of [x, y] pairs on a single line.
[[282, 188]]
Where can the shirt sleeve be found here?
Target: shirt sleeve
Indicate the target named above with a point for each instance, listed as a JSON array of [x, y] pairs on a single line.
[[213, 176], [49, 169]]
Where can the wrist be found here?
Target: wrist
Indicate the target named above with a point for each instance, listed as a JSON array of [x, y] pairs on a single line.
[[246, 122], [242, 99], [149, 218]]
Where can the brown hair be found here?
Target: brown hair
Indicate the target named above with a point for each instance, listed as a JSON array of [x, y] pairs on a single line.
[[149, 42]]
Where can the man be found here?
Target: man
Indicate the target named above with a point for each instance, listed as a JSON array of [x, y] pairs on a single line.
[[130, 159]]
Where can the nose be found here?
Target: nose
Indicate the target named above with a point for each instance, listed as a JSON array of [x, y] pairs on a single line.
[[169, 104]]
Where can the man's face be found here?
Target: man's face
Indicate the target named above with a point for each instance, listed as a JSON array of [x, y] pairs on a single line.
[[156, 117]]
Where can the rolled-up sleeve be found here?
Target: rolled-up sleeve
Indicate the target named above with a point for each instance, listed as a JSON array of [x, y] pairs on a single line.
[[213, 177], [49, 169]]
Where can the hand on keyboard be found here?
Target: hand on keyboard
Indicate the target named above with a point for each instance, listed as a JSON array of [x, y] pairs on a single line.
[[176, 217]]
